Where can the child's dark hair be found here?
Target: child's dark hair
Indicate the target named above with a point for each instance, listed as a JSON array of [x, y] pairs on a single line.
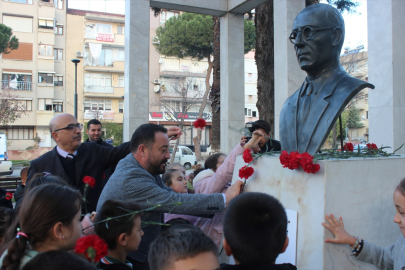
[[40, 179], [117, 226], [174, 223], [174, 245], [401, 187], [7, 217], [212, 161], [42, 208], [167, 177], [255, 228], [56, 259]]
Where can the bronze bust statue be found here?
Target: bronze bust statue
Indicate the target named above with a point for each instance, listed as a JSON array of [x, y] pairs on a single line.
[[309, 114]]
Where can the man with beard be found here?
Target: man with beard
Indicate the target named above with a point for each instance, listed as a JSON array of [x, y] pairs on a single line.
[[137, 179]]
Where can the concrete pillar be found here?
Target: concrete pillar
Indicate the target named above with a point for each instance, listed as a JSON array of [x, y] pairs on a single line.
[[232, 80], [136, 99], [288, 76], [386, 69]]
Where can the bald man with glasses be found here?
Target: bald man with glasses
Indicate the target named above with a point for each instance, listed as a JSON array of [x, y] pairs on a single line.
[[72, 160], [309, 114]]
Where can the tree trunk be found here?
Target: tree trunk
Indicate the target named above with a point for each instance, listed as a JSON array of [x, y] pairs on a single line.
[[215, 94], [264, 57], [173, 155], [197, 139]]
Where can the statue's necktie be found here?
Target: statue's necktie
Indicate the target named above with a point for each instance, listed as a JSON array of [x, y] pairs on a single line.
[[304, 106]]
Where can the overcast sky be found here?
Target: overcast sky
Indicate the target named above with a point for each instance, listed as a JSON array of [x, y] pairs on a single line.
[[356, 23]]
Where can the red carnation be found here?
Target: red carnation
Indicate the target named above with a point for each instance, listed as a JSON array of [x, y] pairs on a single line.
[[372, 146], [8, 196], [294, 160], [348, 147], [306, 161], [92, 246], [246, 172], [247, 156], [315, 168], [89, 181], [200, 123], [284, 160]]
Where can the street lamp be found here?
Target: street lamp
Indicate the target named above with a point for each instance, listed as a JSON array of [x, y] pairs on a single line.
[[76, 61]]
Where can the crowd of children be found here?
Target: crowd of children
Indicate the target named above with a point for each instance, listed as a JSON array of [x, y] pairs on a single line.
[[47, 222]]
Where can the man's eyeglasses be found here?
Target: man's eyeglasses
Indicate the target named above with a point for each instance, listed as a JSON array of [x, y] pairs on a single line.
[[71, 127], [307, 33]]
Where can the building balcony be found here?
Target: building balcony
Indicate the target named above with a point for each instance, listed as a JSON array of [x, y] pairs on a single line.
[[16, 85], [114, 67], [103, 91]]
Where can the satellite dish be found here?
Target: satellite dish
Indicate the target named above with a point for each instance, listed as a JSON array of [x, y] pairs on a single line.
[[156, 88]]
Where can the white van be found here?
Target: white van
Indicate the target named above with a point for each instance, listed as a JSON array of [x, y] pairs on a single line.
[[6, 166], [184, 156]]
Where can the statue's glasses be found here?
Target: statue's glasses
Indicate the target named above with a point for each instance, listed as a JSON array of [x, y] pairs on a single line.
[[307, 33], [71, 127]]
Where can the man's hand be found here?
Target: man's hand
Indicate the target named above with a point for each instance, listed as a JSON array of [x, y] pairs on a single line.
[[174, 133], [233, 191]]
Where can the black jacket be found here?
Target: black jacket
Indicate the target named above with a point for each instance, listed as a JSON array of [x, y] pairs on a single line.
[[271, 145], [284, 266], [91, 160], [18, 194], [110, 170]]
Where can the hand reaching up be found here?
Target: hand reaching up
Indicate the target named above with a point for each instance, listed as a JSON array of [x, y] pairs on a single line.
[[338, 230], [233, 191], [174, 133]]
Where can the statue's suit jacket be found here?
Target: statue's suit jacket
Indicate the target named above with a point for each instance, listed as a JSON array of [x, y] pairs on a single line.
[[334, 91]]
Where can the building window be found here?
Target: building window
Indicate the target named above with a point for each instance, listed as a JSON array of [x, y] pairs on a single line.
[[20, 1], [44, 23], [120, 30], [97, 79], [16, 81], [45, 104], [24, 52], [45, 78], [121, 55], [121, 106], [18, 24], [165, 15], [58, 4], [104, 28], [45, 50], [58, 81], [97, 104], [58, 54], [121, 81], [366, 114], [57, 106], [59, 30], [105, 59], [26, 104], [20, 133], [250, 112]]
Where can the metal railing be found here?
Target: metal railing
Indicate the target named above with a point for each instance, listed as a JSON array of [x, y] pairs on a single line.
[[16, 85]]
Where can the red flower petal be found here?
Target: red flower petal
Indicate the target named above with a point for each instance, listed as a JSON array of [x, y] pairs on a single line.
[[90, 181], [92, 246], [246, 172], [8, 196], [200, 123], [247, 156]]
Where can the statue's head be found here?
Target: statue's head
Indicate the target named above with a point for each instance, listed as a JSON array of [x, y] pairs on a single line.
[[318, 35]]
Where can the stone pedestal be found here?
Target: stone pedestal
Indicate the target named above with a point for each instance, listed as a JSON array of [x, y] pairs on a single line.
[[359, 190]]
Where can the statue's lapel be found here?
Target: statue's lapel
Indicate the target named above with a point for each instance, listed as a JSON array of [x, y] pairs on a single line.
[[324, 89], [294, 115]]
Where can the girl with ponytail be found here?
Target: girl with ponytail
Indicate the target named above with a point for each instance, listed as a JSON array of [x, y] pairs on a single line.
[[49, 219]]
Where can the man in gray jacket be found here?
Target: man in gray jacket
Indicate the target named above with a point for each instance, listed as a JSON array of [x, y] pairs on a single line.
[[137, 179]]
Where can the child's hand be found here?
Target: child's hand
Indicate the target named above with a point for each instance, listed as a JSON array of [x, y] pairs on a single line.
[[338, 230]]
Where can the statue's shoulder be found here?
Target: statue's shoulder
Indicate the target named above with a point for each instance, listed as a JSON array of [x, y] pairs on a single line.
[[353, 84]]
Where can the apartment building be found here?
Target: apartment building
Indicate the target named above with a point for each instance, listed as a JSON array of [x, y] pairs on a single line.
[[97, 40], [251, 111], [35, 71]]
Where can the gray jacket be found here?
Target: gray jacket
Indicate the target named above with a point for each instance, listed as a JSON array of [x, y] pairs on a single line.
[[392, 257], [131, 182]]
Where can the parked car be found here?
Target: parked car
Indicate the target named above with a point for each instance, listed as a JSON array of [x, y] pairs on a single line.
[[359, 146], [6, 166], [184, 156]]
